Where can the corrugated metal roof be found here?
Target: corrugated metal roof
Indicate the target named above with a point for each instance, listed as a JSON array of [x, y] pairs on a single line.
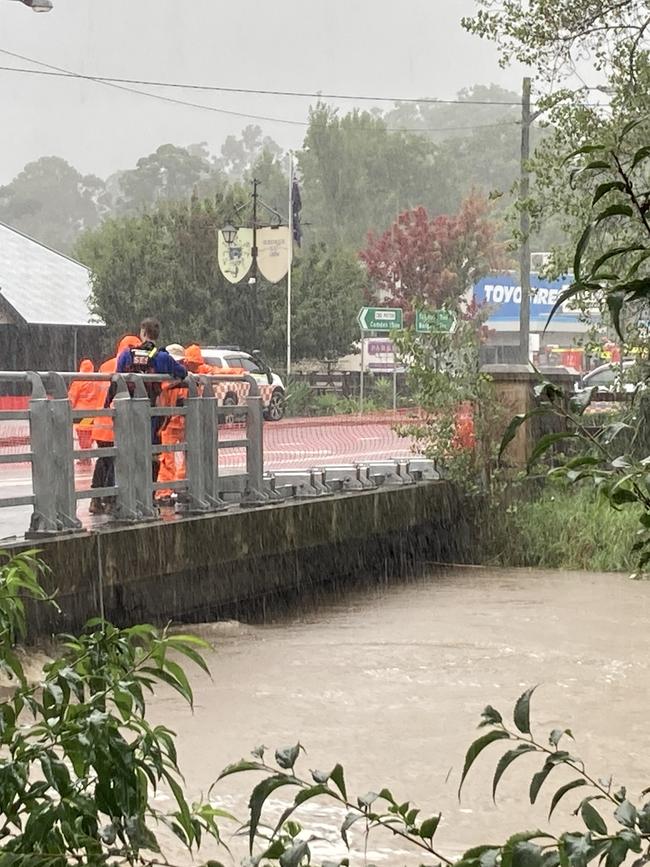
[[43, 286]]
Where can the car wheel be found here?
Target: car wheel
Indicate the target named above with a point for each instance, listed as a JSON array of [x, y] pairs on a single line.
[[230, 400], [275, 409]]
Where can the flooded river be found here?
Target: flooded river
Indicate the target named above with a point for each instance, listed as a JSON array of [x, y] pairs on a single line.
[[391, 682]]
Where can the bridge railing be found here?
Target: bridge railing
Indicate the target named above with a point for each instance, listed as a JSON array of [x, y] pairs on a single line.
[[52, 455]]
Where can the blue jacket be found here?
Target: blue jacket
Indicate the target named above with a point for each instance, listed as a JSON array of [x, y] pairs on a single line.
[[162, 362]]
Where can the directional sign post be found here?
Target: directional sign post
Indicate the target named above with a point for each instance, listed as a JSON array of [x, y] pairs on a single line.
[[376, 319], [435, 322], [380, 319]]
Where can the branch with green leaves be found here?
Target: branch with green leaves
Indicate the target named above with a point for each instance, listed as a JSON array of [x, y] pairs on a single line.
[[286, 842]]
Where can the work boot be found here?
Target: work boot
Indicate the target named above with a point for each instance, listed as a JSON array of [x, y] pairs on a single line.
[[96, 506]]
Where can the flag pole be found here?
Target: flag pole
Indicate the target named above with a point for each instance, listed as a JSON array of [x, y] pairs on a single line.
[[290, 254]]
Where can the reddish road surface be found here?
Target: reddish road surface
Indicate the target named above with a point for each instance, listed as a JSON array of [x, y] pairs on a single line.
[[293, 444]]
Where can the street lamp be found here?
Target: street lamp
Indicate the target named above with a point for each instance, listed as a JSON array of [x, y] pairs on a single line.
[[38, 5], [229, 234]]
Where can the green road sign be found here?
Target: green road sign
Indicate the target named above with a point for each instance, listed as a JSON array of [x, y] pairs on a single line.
[[380, 319], [435, 321]]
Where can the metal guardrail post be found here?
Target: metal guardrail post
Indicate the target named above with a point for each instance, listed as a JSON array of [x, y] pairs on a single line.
[[126, 508], [62, 451], [133, 462], [50, 423], [194, 470], [205, 409], [44, 519], [254, 494]]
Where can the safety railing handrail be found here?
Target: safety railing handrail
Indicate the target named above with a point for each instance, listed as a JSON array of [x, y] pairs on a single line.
[[52, 453], [95, 376]]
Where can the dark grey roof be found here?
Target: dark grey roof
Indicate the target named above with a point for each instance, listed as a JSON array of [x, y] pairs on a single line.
[[43, 286]]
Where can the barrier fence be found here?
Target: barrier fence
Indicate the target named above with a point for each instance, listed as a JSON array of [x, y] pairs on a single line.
[[52, 455]]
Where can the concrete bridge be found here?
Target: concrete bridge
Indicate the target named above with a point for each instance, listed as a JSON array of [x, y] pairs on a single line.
[[249, 525]]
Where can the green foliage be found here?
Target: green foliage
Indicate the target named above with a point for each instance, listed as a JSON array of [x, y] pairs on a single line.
[[612, 830], [51, 201], [462, 423], [327, 292], [560, 528], [478, 144], [165, 263], [552, 38], [611, 269], [162, 264], [357, 174], [80, 762], [169, 174], [611, 258]]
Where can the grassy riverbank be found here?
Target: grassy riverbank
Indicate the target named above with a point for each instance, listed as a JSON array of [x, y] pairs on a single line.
[[562, 529]]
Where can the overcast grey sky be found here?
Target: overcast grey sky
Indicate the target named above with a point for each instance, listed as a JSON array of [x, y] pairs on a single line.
[[385, 47]]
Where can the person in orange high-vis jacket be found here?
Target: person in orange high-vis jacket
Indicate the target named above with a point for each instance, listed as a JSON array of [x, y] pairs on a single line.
[[85, 394], [172, 464], [102, 430]]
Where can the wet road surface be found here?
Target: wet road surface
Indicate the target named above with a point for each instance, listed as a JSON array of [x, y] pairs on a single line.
[[305, 444], [391, 682]]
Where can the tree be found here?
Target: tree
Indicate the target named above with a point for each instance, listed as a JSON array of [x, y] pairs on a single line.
[[555, 38], [238, 155], [611, 267], [163, 263], [53, 202], [478, 138], [433, 261], [357, 175], [328, 288], [169, 174], [274, 185]]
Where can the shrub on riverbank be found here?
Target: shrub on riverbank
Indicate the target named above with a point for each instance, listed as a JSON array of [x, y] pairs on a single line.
[[560, 528]]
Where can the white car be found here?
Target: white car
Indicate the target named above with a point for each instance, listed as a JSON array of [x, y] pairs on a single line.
[[270, 385], [610, 378]]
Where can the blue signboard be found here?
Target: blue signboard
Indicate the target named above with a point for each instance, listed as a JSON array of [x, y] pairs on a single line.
[[502, 295]]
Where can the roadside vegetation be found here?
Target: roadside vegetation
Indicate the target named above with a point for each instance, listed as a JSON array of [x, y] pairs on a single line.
[[304, 400], [559, 528]]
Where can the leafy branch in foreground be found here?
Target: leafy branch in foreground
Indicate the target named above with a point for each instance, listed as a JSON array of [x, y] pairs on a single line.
[[79, 761], [284, 841]]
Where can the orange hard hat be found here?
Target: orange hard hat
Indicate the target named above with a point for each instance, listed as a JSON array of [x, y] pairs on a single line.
[[86, 366], [128, 342], [193, 354]]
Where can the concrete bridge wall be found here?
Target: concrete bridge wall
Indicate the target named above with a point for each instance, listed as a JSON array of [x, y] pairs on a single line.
[[227, 563]]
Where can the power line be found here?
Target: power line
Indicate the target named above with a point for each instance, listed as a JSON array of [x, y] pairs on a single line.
[[169, 99], [250, 91], [58, 72]]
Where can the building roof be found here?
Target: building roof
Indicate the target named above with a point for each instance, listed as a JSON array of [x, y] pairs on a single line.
[[43, 286]]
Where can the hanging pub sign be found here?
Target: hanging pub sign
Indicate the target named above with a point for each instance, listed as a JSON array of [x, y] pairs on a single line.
[[273, 252], [235, 259]]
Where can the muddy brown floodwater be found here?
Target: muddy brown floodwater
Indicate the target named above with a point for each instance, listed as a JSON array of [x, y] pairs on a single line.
[[391, 682]]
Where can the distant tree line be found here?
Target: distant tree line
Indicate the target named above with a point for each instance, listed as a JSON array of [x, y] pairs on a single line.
[[149, 233]]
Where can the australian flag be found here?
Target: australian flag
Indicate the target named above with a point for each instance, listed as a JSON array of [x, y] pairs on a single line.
[[296, 208]]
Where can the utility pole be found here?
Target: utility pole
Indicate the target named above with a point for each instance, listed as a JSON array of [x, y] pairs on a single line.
[[290, 220], [524, 226], [253, 278]]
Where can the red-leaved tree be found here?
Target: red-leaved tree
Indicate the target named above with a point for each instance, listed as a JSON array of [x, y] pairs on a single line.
[[432, 261]]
